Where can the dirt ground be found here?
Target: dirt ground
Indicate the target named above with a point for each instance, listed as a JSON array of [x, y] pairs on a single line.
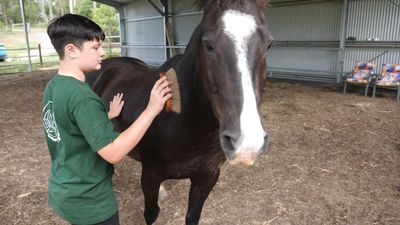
[[333, 159]]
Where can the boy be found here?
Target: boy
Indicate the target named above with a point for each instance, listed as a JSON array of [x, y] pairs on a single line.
[[80, 136]]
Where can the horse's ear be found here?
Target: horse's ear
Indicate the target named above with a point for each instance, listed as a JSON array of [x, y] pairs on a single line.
[[201, 4], [263, 4]]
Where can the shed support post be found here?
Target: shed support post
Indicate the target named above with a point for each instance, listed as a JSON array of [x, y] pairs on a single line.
[[343, 29], [122, 31], [165, 23], [164, 12]]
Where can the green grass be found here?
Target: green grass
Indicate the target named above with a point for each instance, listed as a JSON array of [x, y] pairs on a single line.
[[24, 68], [49, 62], [17, 50]]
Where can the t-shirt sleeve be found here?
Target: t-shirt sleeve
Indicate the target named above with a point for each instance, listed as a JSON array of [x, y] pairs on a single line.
[[91, 117]]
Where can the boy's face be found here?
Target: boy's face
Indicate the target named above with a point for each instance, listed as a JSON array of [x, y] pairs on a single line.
[[91, 55]]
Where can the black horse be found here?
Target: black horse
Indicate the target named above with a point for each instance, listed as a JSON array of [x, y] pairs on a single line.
[[221, 77]]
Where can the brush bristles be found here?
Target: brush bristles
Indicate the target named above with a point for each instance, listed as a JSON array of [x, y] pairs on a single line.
[[173, 104]]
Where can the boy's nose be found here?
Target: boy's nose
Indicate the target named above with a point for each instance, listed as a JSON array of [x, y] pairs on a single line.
[[102, 52]]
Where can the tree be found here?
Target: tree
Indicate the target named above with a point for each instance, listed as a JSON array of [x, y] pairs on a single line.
[[50, 7], [60, 7], [107, 18], [31, 12], [43, 11], [85, 8], [36, 11], [5, 6]]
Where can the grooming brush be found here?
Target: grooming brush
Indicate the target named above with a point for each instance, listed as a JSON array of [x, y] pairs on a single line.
[[174, 103]]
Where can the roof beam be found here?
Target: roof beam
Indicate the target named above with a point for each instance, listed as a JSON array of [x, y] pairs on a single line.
[[114, 4], [155, 7], [296, 2]]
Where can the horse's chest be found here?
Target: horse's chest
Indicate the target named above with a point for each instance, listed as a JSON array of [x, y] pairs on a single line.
[[183, 160], [186, 167], [181, 153]]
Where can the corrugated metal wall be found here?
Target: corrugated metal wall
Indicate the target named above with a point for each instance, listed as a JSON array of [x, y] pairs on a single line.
[[305, 22], [376, 24], [307, 38], [303, 36], [303, 64], [144, 35], [306, 35], [185, 19], [374, 19], [391, 56]]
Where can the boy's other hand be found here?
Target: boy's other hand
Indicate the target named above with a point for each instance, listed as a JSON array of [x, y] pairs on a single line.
[[160, 93], [116, 106]]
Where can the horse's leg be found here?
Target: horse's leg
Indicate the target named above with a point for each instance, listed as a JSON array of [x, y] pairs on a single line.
[[150, 186], [201, 186]]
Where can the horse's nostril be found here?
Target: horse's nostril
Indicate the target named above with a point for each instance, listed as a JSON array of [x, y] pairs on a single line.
[[229, 142], [266, 136]]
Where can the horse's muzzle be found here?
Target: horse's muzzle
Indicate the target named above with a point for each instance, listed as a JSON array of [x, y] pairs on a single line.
[[244, 153]]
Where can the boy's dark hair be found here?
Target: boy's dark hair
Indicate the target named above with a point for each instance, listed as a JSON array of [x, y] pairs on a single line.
[[73, 29]]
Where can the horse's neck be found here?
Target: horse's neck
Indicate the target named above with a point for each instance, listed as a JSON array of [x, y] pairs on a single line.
[[194, 101], [187, 65]]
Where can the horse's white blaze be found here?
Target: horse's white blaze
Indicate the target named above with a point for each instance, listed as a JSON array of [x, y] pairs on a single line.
[[240, 27]]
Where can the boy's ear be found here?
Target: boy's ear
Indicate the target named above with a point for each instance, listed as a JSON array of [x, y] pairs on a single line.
[[70, 51]]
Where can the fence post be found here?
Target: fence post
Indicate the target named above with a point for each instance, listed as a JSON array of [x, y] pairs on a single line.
[[40, 54]]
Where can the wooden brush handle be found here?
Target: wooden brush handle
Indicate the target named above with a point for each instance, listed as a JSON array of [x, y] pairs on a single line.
[[168, 104]]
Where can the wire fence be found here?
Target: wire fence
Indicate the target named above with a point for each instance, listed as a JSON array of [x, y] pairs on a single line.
[[43, 58]]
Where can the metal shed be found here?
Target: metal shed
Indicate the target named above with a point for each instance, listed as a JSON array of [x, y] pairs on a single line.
[[313, 39]]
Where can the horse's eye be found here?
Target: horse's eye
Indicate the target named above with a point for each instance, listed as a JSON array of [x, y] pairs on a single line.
[[208, 46], [269, 44]]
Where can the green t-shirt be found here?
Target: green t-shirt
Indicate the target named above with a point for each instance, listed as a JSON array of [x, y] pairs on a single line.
[[76, 127]]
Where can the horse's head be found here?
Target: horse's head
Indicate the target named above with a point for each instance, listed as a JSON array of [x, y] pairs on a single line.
[[232, 60]]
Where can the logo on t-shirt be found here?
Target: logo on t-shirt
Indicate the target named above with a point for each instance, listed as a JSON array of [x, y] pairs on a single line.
[[49, 123]]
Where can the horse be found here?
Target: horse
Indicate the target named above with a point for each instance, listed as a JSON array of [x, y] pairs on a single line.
[[221, 77]]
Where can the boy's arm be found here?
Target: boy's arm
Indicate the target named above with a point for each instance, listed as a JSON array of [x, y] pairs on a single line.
[[127, 140]]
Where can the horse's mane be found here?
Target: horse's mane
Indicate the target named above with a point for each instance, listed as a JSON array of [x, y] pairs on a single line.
[[202, 4]]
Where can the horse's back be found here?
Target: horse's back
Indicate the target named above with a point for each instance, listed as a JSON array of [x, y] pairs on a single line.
[[118, 71], [92, 77], [129, 76], [122, 71]]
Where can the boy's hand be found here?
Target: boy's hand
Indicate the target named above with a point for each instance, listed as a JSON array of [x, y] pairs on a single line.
[[116, 106], [160, 93]]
